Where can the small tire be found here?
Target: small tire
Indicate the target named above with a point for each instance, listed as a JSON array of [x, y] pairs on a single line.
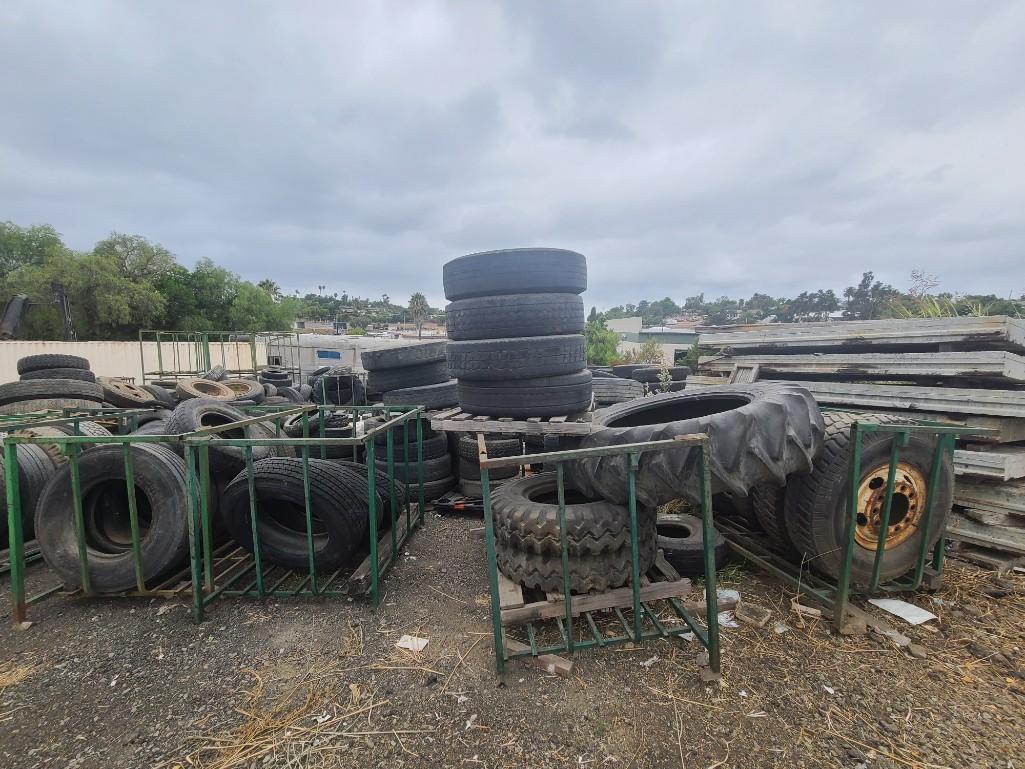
[[402, 357], [49, 361], [540, 397], [432, 396], [512, 315], [681, 542], [217, 374], [514, 358], [515, 271], [59, 373]]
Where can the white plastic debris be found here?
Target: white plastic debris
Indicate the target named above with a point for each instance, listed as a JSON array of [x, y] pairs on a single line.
[[829, 689], [461, 699], [780, 628], [726, 619], [649, 663], [413, 643], [913, 615]]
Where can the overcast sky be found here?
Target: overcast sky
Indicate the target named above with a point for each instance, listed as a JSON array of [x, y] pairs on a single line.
[[723, 148]]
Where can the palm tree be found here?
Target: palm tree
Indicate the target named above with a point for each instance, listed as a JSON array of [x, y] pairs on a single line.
[[419, 309]]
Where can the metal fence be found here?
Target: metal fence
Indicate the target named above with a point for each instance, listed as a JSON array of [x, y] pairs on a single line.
[[202, 577]]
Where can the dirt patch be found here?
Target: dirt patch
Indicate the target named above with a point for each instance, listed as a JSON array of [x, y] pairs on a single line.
[[133, 683]]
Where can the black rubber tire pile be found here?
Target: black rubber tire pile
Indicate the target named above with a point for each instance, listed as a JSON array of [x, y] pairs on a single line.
[[438, 477], [515, 322], [650, 376], [468, 457], [336, 385], [410, 375], [51, 381]]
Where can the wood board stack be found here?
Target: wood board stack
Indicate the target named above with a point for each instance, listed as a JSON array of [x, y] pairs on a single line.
[[966, 371]]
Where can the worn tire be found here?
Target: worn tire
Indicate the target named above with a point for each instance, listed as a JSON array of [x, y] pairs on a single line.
[[203, 388], [767, 505], [627, 369], [50, 361], [540, 397], [50, 389], [160, 395], [126, 395], [156, 427], [388, 379], [162, 498], [397, 435], [817, 503], [497, 446], [609, 390], [515, 271], [681, 542], [401, 357], [195, 413], [339, 501], [758, 433], [35, 468], [46, 404], [340, 389], [269, 390], [472, 488], [59, 373], [291, 394], [217, 374], [434, 469], [246, 389], [470, 470], [433, 489], [495, 317], [86, 427], [524, 357], [433, 396]]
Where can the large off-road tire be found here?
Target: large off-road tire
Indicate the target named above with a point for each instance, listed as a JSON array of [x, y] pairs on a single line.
[[400, 357], [609, 390], [339, 502], [539, 397], [758, 433], [817, 503], [515, 271], [59, 373], [495, 317], [388, 379], [161, 498], [767, 505], [681, 540], [195, 413], [51, 360], [51, 389], [525, 357], [526, 516], [433, 396], [35, 468]]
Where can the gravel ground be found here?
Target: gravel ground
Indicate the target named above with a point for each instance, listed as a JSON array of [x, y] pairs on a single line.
[[312, 683]]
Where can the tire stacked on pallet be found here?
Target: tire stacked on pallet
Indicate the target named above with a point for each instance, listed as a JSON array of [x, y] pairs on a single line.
[[515, 322], [51, 381], [412, 375], [437, 474], [277, 376], [468, 456]]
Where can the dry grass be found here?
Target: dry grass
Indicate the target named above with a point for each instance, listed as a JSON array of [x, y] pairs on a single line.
[[14, 674]]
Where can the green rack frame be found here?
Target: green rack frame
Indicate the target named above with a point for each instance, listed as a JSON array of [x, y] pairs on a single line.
[[196, 449], [181, 354], [836, 595], [634, 632]]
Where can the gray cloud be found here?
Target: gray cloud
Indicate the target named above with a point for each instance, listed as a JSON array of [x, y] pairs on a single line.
[[681, 147]]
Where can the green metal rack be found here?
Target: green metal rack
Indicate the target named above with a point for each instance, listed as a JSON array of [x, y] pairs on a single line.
[[639, 621]]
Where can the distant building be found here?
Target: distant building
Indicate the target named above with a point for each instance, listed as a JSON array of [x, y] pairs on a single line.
[[675, 340], [319, 326]]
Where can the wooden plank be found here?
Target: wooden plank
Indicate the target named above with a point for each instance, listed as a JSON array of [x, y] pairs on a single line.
[[1002, 463], [551, 663], [446, 414], [988, 517], [359, 581], [992, 332], [1008, 539], [951, 400], [557, 420], [1008, 497], [620, 597], [744, 373], [993, 364], [510, 594]]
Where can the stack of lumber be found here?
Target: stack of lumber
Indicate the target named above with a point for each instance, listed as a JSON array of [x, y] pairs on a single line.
[[965, 371]]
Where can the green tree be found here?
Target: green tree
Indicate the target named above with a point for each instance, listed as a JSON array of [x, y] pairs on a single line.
[[601, 343], [419, 309], [650, 352], [869, 298], [593, 316], [270, 287]]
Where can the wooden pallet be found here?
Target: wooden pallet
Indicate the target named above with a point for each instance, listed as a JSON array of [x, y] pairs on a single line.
[[457, 420]]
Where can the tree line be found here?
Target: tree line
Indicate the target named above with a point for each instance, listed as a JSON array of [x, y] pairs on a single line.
[[126, 283]]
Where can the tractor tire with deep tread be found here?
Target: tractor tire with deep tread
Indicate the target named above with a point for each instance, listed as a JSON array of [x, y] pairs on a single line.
[[515, 271], [758, 433], [511, 315]]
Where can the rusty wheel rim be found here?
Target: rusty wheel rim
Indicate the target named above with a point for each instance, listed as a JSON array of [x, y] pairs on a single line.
[[906, 510]]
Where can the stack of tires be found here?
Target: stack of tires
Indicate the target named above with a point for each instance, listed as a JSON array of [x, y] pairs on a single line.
[[437, 461], [468, 456], [51, 381], [515, 322], [336, 386], [412, 375]]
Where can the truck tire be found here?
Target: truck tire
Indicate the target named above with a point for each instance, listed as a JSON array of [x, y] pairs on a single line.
[[339, 502], [203, 388], [125, 395], [540, 397], [400, 357], [398, 437], [758, 433], [50, 389], [196, 413], [35, 468], [160, 395], [681, 542], [217, 374], [86, 427], [51, 360], [470, 470], [161, 498], [627, 369], [46, 404], [817, 503], [525, 357], [433, 489], [433, 396], [511, 315], [610, 390], [388, 379], [515, 271], [434, 469], [59, 373], [339, 389], [497, 446], [246, 389]]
